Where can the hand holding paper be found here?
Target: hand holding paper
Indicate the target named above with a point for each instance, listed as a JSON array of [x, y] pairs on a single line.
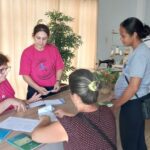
[[34, 98], [47, 111]]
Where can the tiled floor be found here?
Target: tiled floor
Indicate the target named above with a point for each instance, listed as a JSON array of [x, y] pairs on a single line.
[[147, 135]]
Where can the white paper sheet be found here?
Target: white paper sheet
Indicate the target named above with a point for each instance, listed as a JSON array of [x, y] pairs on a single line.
[[54, 102], [36, 104], [19, 124], [47, 102]]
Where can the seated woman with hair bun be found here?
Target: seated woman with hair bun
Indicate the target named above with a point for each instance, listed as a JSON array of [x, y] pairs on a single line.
[[91, 128]]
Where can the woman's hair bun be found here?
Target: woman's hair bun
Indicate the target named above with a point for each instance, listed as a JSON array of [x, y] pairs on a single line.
[[146, 31]]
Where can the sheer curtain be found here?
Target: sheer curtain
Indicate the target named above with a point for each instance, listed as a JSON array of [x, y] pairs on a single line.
[[18, 17]]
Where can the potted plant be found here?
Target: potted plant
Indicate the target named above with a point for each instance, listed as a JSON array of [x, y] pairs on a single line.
[[63, 36], [107, 78]]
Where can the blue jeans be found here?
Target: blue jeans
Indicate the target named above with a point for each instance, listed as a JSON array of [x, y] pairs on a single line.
[[132, 126], [31, 91]]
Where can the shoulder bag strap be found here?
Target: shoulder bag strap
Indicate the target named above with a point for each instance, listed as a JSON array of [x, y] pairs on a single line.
[[101, 132]]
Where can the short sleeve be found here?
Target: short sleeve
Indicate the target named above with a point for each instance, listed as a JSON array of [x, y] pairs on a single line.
[[9, 89], [25, 64], [138, 65], [59, 60]]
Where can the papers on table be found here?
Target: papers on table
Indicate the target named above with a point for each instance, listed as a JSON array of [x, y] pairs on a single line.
[[19, 124], [36, 104], [48, 111], [54, 102], [108, 104], [47, 102], [45, 109]]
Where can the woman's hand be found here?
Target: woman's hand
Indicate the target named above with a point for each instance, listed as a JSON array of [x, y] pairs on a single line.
[[44, 118], [42, 91], [61, 113], [115, 107], [18, 105], [56, 87], [34, 98]]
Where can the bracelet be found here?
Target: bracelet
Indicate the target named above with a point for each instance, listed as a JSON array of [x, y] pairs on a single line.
[[58, 81]]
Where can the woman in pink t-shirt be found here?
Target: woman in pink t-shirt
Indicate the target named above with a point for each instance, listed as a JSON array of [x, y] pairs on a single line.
[[41, 64], [7, 93]]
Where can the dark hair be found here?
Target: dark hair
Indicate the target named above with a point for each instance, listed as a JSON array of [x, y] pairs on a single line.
[[3, 59], [79, 82], [135, 25], [41, 27]]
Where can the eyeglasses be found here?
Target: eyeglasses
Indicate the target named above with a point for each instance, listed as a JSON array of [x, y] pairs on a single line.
[[5, 69]]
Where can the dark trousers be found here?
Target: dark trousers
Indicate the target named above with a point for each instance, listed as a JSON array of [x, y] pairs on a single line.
[[31, 91], [132, 126]]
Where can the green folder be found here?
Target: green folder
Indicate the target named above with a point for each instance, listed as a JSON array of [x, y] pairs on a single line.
[[23, 142]]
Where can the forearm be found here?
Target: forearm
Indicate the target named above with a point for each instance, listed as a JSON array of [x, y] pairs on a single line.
[[127, 95], [59, 74], [56, 130], [21, 100], [44, 122], [5, 105], [30, 82], [69, 114]]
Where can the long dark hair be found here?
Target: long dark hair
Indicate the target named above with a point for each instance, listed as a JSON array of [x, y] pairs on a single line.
[[133, 25], [41, 27], [3, 59], [79, 82]]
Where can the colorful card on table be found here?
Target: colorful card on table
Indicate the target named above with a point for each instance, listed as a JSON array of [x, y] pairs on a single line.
[[4, 133], [23, 142], [53, 102]]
